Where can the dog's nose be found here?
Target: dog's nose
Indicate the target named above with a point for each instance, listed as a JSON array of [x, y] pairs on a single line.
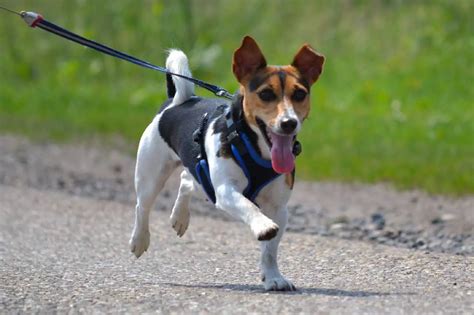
[[288, 125]]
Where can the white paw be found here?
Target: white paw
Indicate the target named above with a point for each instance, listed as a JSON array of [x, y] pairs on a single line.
[[139, 242], [264, 228], [278, 284], [180, 221]]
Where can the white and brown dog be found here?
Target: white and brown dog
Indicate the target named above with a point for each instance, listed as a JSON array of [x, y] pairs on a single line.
[[241, 152]]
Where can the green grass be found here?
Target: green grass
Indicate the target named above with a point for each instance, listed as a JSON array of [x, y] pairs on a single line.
[[395, 102]]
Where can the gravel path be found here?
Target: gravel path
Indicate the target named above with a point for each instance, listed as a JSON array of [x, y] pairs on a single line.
[[373, 213], [68, 254]]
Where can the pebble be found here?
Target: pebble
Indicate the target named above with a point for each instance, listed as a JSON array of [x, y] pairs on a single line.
[[378, 221]]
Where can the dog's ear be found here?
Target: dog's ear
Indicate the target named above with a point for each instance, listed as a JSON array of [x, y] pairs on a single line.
[[309, 63], [247, 59]]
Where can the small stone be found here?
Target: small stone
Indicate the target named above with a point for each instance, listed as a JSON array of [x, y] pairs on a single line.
[[341, 219], [117, 168], [419, 243], [61, 183], [443, 218], [378, 221], [437, 220], [448, 217], [338, 226], [391, 233], [373, 235]]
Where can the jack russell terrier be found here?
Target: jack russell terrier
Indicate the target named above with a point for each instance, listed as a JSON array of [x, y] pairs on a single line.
[[242, 153]]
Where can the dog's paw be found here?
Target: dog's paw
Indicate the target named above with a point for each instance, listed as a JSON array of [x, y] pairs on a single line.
[[268, 233], [139, 243], [180, 221], [278, 284], [264, 229]]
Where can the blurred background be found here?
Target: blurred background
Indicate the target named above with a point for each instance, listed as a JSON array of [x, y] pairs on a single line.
[[395, 102]]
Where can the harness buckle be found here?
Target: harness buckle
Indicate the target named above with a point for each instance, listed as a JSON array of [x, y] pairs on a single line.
[[224, 93], [232, 136]]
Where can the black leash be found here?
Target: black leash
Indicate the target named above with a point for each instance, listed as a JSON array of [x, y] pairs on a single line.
[[36, 20]]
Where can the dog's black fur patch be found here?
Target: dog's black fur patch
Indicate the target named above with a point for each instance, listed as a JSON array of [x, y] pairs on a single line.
[[178, 124], [170, 87]]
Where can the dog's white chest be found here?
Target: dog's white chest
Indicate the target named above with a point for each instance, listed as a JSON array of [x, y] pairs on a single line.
[[275, 195]]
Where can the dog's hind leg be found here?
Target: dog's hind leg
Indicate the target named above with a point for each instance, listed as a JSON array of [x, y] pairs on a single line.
[[180, 215], [155, 163]]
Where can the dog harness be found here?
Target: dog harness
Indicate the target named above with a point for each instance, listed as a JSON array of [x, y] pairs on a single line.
[[188, 141], [258, 171]]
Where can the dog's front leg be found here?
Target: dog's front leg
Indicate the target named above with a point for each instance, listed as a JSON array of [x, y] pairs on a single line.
[[229, 199], [271, 276]]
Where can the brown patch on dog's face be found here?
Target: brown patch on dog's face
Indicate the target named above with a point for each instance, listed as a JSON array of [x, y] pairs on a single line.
[[273, 94]]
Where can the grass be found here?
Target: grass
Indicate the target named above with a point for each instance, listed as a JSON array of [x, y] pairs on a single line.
[[395, 102]]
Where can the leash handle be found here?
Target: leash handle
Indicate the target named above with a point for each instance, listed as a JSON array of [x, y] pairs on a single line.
[[31, 18], [34, 19]]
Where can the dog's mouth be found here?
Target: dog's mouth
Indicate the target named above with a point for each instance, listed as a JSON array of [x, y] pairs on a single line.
[[281, 147]]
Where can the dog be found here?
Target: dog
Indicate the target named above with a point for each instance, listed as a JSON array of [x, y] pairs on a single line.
[[241, 153]]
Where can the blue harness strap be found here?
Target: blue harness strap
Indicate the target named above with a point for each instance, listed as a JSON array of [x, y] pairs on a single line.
[[258, 171], [204, 178]]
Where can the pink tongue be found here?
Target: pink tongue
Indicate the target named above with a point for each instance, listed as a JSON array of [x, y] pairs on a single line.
[[283, 160]]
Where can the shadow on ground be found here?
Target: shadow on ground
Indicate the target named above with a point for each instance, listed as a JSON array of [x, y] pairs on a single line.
[[299, 291]]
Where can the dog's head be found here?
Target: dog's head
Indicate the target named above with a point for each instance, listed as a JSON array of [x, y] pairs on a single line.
[[276, 99]]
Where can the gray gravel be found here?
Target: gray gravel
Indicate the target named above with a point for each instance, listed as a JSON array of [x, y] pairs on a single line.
[[67, 254], [373, 213]]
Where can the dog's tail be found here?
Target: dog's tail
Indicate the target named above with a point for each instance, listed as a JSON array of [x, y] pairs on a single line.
[[178, 88]]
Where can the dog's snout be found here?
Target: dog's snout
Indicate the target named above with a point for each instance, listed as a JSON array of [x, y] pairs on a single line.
[[288, 125]]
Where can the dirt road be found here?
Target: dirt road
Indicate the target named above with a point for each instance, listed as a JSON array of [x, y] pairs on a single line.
[[69, 254], [66, 215]]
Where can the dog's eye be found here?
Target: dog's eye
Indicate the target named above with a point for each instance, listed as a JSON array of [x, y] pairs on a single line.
[[267, 95], [299, 95]]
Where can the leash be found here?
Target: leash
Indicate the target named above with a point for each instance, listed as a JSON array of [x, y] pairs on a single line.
[[36, 20]]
